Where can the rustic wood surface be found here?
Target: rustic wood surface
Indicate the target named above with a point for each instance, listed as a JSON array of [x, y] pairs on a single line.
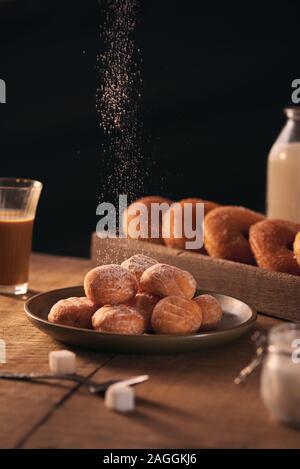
[[273, 293], [190, 400]]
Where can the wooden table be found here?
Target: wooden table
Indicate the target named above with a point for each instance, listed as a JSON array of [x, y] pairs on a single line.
[[190, 400]]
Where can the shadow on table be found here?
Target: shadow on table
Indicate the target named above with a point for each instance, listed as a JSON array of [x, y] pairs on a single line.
[[24, 297], [158, 423]]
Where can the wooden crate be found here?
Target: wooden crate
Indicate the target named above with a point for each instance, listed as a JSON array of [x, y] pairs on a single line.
[[272, 293]]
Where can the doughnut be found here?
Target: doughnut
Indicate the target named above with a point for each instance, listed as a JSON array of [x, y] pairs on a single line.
[[144, 303], [110, 284], [226, 233], [118, 319], [173, 220], [75, 312], [137, 264], [166, 280], [133, 211], [297, 247], [272, 244], [211, 312], [176, 315]]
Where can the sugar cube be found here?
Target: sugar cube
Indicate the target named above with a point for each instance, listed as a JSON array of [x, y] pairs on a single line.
[[120, 398], [62, 361], [2, 351]]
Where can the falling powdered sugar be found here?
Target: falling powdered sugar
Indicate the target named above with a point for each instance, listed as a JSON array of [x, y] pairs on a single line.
[[118, 98]]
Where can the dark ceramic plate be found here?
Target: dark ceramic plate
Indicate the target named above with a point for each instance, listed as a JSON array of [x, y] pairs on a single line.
[[237, 319]]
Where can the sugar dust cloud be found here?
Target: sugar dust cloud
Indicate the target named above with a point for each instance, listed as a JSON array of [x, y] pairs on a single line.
[[118, 101], [118, 97]]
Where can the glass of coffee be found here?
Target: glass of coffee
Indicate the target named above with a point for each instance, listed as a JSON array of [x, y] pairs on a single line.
[[18, 202]]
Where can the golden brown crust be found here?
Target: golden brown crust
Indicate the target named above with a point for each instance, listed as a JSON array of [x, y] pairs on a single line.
[[118, 319], [137, 264], [208, 204], [175, 315], [74, 312], [144, 303], [166, 280], [271, 242], [296, 247], [170, 221], [226, 233], [135, 211], [110, 284], [211, 312]]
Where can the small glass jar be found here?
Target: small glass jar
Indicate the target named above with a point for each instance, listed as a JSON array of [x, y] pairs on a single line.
[[280, 378]]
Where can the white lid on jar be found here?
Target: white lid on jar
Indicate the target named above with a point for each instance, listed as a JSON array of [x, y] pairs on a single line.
[[284, 338]]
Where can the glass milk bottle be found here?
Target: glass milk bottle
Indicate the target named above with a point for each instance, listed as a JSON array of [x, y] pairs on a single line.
[[283, 174]]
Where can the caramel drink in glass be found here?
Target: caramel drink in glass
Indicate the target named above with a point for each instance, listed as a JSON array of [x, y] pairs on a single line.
[[18, 203]]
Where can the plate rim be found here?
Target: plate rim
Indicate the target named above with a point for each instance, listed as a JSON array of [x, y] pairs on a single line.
[[153, 337]]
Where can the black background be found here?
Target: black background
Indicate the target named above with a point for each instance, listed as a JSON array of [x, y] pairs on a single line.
[[216, 77]]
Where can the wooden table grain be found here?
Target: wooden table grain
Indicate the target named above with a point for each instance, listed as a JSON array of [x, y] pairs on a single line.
[[189, 402]]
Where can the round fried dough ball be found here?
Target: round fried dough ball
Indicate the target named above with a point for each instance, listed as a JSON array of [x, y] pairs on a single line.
[[118, 319], [144, 303], [176, 315], [166, 280], [211, 312], [110, 284], [137, 264], [75, 312]]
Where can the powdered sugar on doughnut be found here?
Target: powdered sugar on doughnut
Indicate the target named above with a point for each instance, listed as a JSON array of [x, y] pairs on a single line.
[[175, 315], [73, 311], [110, 284], [118, 319], [211, 312], [138, 263], [166, 280]]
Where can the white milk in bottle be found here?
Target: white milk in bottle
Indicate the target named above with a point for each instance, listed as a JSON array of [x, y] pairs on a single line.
[[283, 175]]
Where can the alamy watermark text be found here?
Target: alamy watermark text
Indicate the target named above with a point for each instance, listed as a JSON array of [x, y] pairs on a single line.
[[2, 91]]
